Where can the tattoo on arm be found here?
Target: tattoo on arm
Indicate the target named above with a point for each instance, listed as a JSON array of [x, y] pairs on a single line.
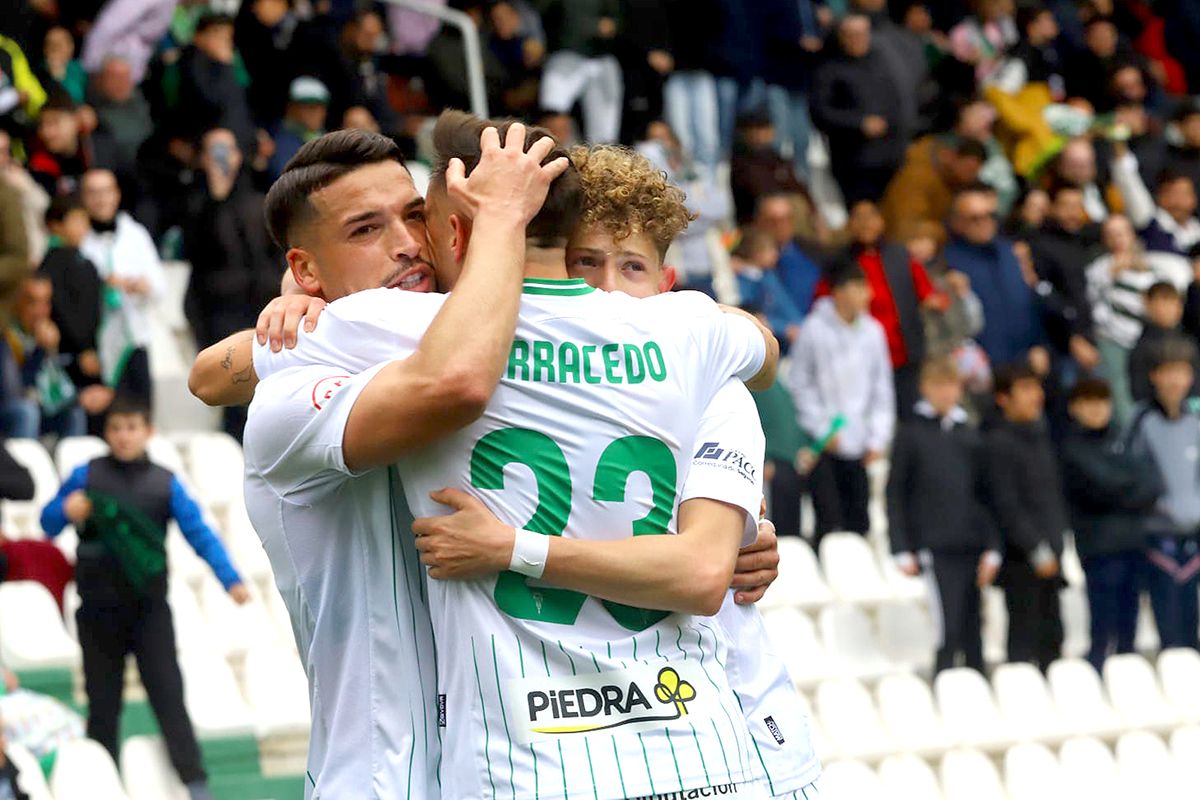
[[239, 376]]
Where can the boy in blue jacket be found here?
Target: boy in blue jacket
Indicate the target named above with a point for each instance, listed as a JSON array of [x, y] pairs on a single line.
[[121, 504]]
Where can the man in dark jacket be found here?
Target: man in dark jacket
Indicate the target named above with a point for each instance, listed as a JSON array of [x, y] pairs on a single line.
[[854, 103], [937, 511], [1108, 491], [1027, 502], [792, 38], [210, 95], [235, 267], [757, 169]]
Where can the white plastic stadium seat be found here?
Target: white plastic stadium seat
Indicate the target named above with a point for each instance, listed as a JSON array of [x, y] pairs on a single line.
[[217, 468], [1145, 769], [1031, 772], [32, 634], [907, 635], [1133, 688], [1185, 748], [850, 642], [794, 638], [851, 569], [84, 770], [147, 770], [970, 775], [852, 780], [907, 709], [901, 587], [849, 717], [211, 695], [1080, 700], [21, 517], [162, 451], [1089, 768], [907, 777], [969, 710], [800, 582], [32, 782], [75, 451], [995, 626], [1076, 621], [191, 628], [1179, 673], [1025, 702], [822, 745]]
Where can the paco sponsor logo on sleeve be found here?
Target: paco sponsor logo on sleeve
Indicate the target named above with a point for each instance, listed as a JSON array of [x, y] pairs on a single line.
[[639, 698], [712, 454]]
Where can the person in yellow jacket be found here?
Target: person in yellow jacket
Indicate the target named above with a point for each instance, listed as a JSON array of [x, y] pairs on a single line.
[[20, 89]]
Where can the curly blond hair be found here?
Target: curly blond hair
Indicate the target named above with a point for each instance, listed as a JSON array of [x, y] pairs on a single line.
[[625, 194]]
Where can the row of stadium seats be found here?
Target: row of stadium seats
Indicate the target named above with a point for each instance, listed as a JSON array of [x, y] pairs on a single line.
[[1020, 706], [1144, 766]]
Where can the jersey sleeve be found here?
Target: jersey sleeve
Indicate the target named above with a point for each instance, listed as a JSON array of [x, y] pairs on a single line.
[[728, 454], [357, 332], [296, 426], [727, 345]]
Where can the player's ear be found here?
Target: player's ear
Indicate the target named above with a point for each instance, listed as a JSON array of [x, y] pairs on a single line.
[[460, 237], [667, 281], [303, 268]]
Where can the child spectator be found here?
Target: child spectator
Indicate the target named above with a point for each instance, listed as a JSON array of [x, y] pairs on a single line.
[[121, 504], [58, 49], [841, 375], [937, 513], [1108, 491], [754, 261], [1168, 429], [1028, 504], [62, 152], [1164, 310]]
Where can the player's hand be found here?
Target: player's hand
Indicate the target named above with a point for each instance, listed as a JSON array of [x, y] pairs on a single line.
[[508, 181], [467, 543], [239, 594], [279, 322], [78, 507], [1047, 569], [757, 566]]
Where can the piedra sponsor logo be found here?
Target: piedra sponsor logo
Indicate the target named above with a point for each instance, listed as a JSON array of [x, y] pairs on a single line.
[[712, 453], [636, 699]]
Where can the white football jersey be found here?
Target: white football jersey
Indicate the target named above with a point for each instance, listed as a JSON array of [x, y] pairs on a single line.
[[341, 548], [545, 690], [722, 468]]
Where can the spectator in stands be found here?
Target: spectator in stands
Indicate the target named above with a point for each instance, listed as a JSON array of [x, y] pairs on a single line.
[[581, 35], [1062, 250], [121, 110], [1076, 166], [792, 38], [21, 94], [1036, 57], [1168, 430], [1027, 503], [33, 339], [166, 169], [360, 78], [1029, 214], [854, 103], [61, 65], [789, 456], [900, 289], [851, 410], [938, 518], [1164, 310], [976, 120], [690, 93], [923, 190], [121, 504], [1088, 73], [14, 248], [33, 198], [982, 39], [645, 50], [61, 153], [446, 81], [1146, 141], [904, 53], [1117, 283], [1167, 221], [304, 120], [274, 43], [754, 263], [127, 260], [517, 42], [1108, 491], [757, 169], [76, 291], [235, 267], [1184, 157], [128, 28], [210, 95], [799, 273]]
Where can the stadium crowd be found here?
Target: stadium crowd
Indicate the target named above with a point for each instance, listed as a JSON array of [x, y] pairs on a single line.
[[972, 226]]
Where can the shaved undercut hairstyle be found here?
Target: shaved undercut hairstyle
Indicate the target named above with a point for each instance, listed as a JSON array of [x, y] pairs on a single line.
[[457, 135], [316, 165]]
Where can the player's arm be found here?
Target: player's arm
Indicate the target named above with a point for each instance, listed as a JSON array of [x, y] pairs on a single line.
[[765, 376]]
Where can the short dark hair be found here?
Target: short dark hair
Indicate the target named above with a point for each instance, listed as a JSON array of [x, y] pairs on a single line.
[[844, 270], [1162, 289], [1090, 389], [1173, 349], [1028, 14], [1170, 175], [967, 147], [316, 165], [1010, 375], [61, 206], [456, 135], [59, 101], [212, 19], [124, 405]]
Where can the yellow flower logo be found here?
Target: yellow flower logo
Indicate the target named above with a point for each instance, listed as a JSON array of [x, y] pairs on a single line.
[[671, 689]]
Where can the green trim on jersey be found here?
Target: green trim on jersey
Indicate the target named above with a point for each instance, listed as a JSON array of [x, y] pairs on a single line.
[[556, 287], [504, 716], [487, 738]]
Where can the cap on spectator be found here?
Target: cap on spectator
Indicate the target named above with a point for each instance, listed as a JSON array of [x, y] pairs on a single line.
[[306, 89]]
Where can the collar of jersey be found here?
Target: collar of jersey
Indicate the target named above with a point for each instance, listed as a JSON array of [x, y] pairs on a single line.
[[557, 287]]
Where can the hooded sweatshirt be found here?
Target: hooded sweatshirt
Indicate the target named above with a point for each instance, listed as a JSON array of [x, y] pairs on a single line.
[[1174, 446], [843, 369]]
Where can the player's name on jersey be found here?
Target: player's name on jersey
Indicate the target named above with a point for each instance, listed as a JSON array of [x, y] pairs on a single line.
[[569, 362]]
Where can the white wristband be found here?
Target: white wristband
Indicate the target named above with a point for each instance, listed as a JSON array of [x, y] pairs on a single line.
[[529, 553]]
